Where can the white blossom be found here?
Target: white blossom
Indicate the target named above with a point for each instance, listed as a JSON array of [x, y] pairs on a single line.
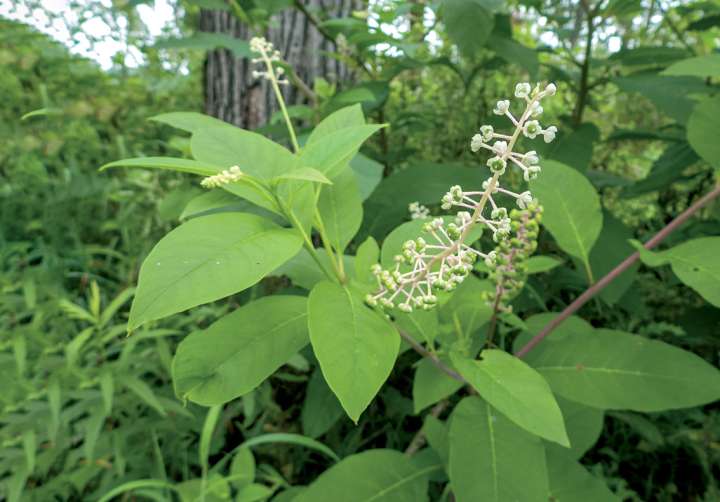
[[476, 142], [418, 211], [502, 107], [522, 90], [223, 178], [549, 134], [531, 129]]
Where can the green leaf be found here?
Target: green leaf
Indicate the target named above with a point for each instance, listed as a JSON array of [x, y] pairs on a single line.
[[206, 435], [136, 485], [107, 389], [570, 481], [422, 325], [374, 475], [493, 460], [205, 41], [189, 121], [540, 264], [367, 255], [332, 152], [666, 169], [515, 53], [671, 95], [254, 493], [583, 424], [242, 468], [350, 116], [468, 24], [253, 153], [355, 346], [168, 163], [572, 208], [576, 149], [702, 125], [93, 426], [609, 369], [516, 390], [612, 248], [305, 174], [340, 208], [304, 272], [700, 66], [696, 263], [144, 392], [29, 443], [207, 259], [368, 172], [649, 56], [235, 354], [431, 385], [288, 438], [321, 409]]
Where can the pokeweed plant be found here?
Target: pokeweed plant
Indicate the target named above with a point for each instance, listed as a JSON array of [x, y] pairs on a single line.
[[521, 423]]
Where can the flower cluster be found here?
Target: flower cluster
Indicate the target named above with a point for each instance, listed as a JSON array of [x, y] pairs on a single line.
[[268, 56], [508, 265], [418, 211], [223, 178], [443, 260]]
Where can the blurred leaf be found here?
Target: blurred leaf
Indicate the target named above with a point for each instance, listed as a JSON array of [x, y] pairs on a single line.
[[321, 409], [701, 128], [468, 23], [700, 66]]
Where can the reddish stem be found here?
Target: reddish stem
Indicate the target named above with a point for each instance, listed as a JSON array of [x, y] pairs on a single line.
[[614, 273]]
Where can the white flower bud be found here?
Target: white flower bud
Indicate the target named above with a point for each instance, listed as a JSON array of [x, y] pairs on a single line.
[[522, 90], [531, 157], [549, 134], [476, 142], [536, 110], [500, 147], [501, 107], [550, 89], [524, 199], [487, 132]]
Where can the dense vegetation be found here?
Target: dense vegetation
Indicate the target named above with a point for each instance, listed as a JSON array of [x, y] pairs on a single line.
[[91, 413]]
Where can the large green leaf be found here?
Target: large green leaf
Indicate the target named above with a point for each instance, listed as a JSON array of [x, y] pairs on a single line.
[[700, 66], [696, 262], [613, 247], [330, 153], [702, 126], [492, 459], [516, 390], [340, 208], [430, 385], [206, 259], [355, 346], [368, 172], [189, 121], [614, 370], [572, 208], [254, 154], [583, 424], [205, 41], [374, 475], [570, 481], [168, 163], [235, 354], [468, 23], [350, 116]]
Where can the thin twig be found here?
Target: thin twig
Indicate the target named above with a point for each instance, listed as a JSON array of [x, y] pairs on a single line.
[[432, 357], [614, 273], [418, 440]]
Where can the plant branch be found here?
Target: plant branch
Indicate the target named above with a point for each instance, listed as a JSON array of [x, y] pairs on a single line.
[[432, 357], [614, 273], [418, 440]]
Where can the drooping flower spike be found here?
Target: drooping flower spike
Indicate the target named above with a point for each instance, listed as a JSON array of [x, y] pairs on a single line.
[[444, 260]]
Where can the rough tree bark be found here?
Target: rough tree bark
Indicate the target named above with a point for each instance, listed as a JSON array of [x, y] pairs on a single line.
[[231, 93]]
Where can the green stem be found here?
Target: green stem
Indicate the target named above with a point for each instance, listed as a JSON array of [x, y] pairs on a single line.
[[290, 215], [281, 102]]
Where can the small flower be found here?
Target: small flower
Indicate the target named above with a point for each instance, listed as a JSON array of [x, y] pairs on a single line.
[[418, 211], [531, 157], [497, 164], [524, 199], [476, 142], [531, 129], [522, 90], [531, 173], [487, 132], [549, 134], [490, 258], [502, 107], [536, 109], [550, 89], [500, 147]]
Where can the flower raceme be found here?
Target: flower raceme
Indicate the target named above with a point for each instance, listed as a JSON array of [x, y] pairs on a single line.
[[443, 259]]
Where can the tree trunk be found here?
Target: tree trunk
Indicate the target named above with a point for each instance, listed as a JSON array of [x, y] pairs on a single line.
[[233, 95]]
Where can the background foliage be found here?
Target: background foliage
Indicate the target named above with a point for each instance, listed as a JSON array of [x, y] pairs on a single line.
[[88, 412]]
